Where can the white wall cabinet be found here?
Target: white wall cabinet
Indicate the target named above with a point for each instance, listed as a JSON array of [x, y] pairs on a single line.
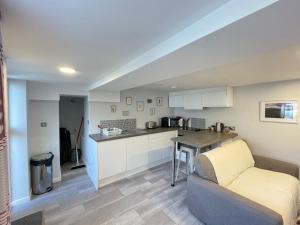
[[176, 101], [193, 101], [118, 158], [221, 97], [202, 98]]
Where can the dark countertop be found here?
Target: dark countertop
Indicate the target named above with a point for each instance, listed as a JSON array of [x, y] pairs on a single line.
[[202, 139], [131, 133]]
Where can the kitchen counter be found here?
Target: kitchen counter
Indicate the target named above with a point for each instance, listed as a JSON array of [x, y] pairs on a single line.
[[112, 158], [131, 133], [204, 138], [197, 141]]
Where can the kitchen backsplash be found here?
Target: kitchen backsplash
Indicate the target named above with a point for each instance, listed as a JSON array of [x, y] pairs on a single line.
[[125, 124], [198, 123]]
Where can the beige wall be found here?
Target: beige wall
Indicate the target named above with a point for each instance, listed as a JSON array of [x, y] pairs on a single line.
[[45, 139], [18, 141], [278, 140]]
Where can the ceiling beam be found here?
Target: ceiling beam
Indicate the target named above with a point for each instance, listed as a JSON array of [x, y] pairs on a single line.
[[223, 16]]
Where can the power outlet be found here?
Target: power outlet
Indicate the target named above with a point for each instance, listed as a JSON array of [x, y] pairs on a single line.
[[43, 124]]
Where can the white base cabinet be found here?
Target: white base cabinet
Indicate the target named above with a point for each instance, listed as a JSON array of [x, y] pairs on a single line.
[[123, 157], [112, 155], [137, 152]]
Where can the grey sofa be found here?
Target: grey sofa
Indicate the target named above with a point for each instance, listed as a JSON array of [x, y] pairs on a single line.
[[213, 204]]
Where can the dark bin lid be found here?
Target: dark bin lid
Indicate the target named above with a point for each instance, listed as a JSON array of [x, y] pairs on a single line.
[[41, 159]]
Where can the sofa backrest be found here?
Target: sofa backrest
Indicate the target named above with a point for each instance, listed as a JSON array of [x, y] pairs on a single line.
[[230, 160]]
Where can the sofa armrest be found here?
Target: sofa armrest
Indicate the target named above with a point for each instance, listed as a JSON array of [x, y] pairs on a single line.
[[214, 205], [276, 165]]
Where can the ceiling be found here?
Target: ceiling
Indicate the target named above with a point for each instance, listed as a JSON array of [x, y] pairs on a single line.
[[118, 45], [275, 66], [272, 30], [96, 36]]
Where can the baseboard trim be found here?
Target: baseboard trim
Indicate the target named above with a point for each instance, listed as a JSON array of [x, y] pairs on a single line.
[[21, 201], [109, 180]]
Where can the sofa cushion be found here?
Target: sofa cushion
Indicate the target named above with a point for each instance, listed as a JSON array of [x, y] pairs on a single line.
[[204, 168], [230, 161], [277, 191]]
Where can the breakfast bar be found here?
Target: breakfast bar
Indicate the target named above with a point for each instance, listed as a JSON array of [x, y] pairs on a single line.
[[198, 142]]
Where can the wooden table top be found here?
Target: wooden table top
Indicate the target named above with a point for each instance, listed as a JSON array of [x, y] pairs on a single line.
[[202, 139]]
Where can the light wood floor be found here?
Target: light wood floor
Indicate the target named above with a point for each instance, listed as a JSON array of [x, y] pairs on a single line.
[[146, 198]]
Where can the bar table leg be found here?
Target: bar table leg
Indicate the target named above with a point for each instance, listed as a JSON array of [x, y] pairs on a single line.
[[174, 163]]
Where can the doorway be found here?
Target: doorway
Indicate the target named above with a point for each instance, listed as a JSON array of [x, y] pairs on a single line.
[[71, 113]]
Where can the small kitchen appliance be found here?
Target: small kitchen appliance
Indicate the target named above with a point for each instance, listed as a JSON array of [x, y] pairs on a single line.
[[219, 127], [169, 122], [151, 125], [181, 122]]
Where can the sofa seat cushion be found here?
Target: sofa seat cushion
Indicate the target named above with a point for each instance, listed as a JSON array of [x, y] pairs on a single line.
[[230, 160], [277, 191]]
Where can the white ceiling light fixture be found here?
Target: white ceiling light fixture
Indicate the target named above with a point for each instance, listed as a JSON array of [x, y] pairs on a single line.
[[67, 70], [173, 87]]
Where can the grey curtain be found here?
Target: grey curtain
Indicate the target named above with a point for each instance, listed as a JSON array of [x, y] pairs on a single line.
[[4, 172]]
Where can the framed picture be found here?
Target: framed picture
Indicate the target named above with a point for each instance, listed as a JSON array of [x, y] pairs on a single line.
[[128, 100], [139, 106], [159, 101], [279, 111], [113, 108], [152, 111]]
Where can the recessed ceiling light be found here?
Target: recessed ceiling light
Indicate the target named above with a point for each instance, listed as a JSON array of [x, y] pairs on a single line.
[[67, 70], [173, 87]]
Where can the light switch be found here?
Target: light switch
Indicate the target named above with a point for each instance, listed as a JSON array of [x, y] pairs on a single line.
[[43, 124]]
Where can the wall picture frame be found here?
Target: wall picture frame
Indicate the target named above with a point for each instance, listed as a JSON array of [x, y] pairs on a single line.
[[139, 106], [152, 111], [279, 111], [159, 101], [113, 108], [128, 100]]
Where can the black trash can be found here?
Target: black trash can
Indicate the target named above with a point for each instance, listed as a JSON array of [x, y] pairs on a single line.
[[41, 173]]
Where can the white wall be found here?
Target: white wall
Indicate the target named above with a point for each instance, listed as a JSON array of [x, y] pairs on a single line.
[[53, 91], [102, 111], [70, 114], [18, 145], [45, 139], [103, 96], [277, 140], [85, 131]]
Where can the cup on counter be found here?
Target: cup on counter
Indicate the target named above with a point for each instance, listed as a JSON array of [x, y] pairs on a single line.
[[226, 130], [212, 128]]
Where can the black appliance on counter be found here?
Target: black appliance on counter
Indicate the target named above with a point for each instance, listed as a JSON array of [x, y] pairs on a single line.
[[169, 122]]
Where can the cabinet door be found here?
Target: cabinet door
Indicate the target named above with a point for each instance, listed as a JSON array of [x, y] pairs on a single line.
[[160, 145], [111, 158], [215, 99], [172, 101], [221, 97], [176, 101], [193, 101], [137, 152]]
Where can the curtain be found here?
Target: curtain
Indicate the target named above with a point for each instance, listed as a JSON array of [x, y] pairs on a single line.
[[4, 172]]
